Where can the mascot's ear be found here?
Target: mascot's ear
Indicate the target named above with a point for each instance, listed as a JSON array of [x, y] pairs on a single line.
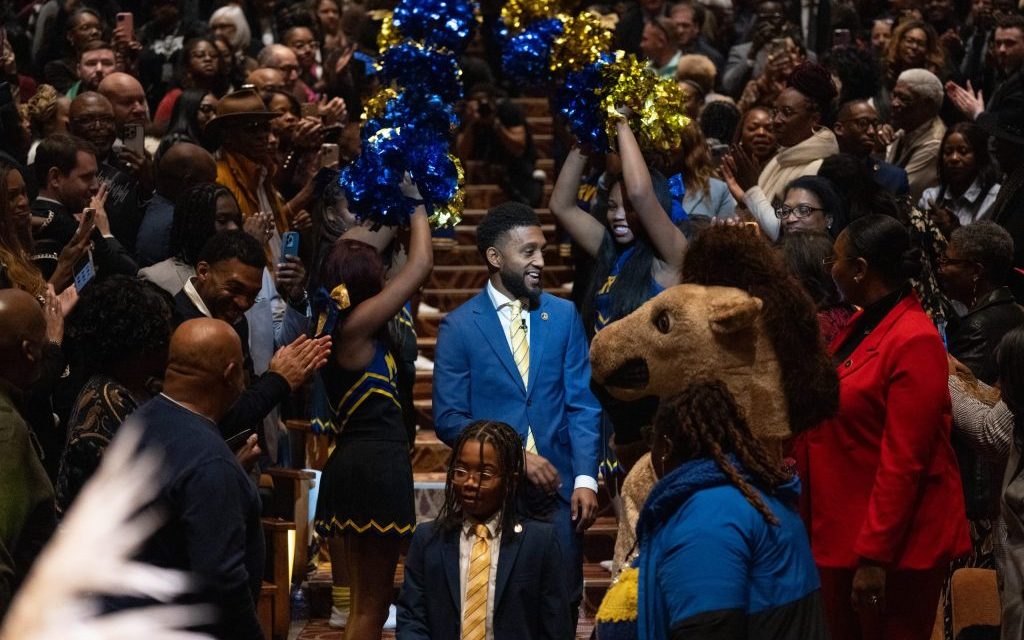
[[732, 310]]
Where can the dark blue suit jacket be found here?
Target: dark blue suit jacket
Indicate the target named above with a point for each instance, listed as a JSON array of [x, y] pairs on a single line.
[[530, 601], [892, 178], [475, 378]]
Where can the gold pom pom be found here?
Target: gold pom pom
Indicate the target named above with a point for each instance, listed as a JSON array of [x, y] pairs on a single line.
[[376, 104], [389, 35], [582, 41], [449, 214], [657, 104], [517, 14]]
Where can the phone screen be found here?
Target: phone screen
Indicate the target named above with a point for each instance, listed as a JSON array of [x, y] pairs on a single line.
[[290, 243], [85, 271], [329, 154]]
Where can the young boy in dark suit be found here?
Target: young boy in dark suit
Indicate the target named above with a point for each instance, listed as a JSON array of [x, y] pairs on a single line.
[[479, 571]]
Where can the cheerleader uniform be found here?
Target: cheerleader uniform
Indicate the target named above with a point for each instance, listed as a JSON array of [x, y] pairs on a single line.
[[366, 487]]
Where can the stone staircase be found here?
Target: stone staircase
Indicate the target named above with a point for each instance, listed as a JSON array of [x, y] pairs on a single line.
[[458, 275]]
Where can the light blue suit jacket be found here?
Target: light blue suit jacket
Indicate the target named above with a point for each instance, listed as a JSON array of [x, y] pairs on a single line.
[[475, 378]]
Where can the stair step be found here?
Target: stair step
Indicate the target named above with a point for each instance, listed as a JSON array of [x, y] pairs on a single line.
[[448, 299], [485, 196], [474, 216], [461, 254], [534, 107], [465, 234], [470, 276]]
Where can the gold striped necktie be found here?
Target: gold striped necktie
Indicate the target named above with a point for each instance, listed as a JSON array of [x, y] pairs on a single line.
[[521, 354], [474, 615]]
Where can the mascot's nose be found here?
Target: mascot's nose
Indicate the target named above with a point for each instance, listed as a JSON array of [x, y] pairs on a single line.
[[631, 374]]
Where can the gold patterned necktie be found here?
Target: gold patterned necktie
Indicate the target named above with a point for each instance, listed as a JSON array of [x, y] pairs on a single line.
[[521, 354], [474, 615]]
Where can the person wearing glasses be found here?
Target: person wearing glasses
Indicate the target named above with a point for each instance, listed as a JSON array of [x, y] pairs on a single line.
[[803, 144], [973, 271], [886, 508], [199, 67], [462, 578], [811, 205]]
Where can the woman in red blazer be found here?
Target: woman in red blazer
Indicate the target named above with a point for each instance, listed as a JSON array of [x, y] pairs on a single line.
[[886, 508]]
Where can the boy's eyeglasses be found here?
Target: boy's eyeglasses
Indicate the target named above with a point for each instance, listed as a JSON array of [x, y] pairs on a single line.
[[484, 478]]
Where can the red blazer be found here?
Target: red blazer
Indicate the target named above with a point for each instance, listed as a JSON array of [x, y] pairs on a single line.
[[881, 476]]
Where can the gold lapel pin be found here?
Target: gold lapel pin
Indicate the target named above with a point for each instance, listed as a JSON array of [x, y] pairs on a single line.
[[544, 315]]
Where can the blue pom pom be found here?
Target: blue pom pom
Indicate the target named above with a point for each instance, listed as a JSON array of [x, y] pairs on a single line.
[[429, 115], [580, 104], [526, 56], [371, 182], [433, 171], [423, 71], [444, 24]]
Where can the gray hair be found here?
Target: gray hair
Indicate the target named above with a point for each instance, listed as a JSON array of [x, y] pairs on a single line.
[[243, 36], [924, 84], [989, 245]]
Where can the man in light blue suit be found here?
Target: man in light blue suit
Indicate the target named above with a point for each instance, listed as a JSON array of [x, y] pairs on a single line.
[[515, 354]]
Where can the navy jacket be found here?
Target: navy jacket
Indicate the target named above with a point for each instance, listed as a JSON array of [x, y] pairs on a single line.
[[892, 178], [530, 600]]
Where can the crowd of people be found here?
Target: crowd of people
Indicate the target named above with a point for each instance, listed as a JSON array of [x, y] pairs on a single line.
[[176, 252]]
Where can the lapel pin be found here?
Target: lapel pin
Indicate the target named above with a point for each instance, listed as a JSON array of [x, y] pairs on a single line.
[[518, 528], [544, 315]]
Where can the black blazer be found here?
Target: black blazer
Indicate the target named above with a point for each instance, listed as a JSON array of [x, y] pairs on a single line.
[[530, 596]]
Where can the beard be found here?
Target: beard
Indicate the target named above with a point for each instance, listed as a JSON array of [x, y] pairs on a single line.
[[516, 285]]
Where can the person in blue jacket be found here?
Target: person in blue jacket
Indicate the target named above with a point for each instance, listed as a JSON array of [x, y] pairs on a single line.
[[723, 552]]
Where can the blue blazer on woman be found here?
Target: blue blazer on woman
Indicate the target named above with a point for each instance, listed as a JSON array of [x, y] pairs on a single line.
[[475, 378], [530, 601]]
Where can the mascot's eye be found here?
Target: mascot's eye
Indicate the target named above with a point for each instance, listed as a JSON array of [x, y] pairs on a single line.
[[662, 322]]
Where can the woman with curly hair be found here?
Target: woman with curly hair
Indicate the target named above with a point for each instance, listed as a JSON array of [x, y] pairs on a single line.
[[48, 114], [914, 45], [118, 334], [723, 552]]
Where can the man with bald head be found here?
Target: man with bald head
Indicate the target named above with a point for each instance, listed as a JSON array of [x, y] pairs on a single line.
[[280, 57], [213, 530], [183, 165], [266, 80], [26, 502], [91, 117]]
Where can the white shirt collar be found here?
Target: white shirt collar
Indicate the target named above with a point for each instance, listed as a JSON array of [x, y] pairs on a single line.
[[469, 525], [499, 299], [193, 295]]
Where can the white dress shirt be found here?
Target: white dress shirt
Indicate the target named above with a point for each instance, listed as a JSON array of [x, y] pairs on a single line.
[[466, 542], [503, 305], [971, 206]]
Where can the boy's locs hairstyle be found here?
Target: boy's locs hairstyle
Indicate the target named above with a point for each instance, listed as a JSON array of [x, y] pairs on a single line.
[[511, 460]]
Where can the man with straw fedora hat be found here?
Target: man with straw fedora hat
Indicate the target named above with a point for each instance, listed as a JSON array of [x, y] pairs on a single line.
[[246, 160]]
